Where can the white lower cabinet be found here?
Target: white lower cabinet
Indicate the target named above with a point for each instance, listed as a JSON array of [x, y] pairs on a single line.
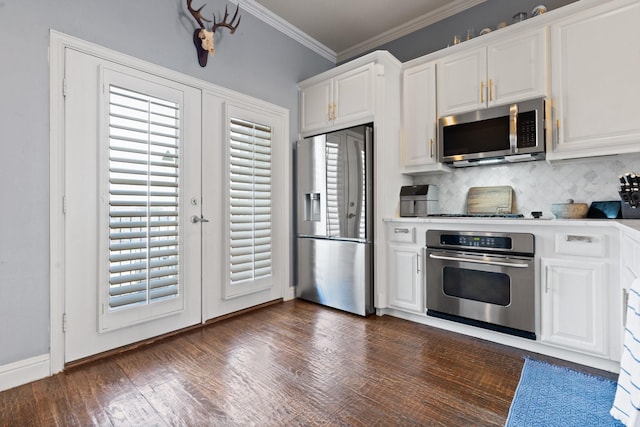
[[629, 268], [574, 305], [581, 299], [405, 278], [583, 269], [405, 268], [630, 260]]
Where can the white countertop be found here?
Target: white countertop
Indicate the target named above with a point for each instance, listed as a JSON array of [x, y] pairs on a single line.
[[625, 225]]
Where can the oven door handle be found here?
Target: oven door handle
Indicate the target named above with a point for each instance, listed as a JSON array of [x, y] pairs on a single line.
[[480, 261]]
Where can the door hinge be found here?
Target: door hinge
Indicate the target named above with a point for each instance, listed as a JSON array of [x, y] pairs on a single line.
[[64, 322]]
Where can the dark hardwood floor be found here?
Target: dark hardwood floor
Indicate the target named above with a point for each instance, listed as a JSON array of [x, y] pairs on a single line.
[[289, 364]]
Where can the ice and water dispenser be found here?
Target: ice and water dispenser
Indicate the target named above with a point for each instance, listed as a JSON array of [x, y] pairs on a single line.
[[312, 207]]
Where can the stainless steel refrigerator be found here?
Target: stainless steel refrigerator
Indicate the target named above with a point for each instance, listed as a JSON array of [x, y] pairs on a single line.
[[334, 189]]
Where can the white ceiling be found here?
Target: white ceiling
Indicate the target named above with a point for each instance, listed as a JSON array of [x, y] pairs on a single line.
[[340, 29]]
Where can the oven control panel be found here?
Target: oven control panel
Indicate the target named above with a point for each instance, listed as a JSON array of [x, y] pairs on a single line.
[[482, 241], [490, 242]]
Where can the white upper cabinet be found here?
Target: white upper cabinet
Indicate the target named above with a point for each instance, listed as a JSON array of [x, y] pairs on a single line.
[[419, 116], [595, 81], [347, 98], [462, 82], [315, 105], [518, 68], [502, 72]]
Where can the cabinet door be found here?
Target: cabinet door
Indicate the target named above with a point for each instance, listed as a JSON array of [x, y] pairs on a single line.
[[419, 115], [517, 68], [405, 278], [315, 104], [353, 95], [574, 305], [595, 85], [462, 82]]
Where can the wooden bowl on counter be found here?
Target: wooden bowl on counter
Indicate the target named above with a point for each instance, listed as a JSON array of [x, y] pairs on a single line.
[[569, 210]]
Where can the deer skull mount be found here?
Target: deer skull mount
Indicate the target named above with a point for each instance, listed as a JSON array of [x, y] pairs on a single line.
[[203, 38]]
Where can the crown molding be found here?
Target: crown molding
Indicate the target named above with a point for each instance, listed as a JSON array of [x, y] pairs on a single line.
[[286, 28], [303, 38], [409, 27]]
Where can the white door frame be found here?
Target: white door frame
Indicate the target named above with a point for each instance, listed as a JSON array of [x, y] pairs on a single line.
[[58, 43]]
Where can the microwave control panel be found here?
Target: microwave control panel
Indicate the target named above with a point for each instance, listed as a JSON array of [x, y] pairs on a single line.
[[527, 129]]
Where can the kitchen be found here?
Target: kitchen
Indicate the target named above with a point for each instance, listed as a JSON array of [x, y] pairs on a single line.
[[592, 175], [579, 165]]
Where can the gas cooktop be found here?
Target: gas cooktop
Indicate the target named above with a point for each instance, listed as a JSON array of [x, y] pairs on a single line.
[[450, 215]]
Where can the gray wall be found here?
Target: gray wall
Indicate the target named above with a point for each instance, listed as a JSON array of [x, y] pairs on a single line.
[[257, 60], [440, 34]]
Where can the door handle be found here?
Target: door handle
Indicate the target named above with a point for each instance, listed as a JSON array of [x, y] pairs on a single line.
[[480, 261], [513, 128], [196, 219], [351, 215]]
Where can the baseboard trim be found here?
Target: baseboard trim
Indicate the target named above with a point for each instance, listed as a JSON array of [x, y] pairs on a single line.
[[24, 371], [243, 311], [135, 345]]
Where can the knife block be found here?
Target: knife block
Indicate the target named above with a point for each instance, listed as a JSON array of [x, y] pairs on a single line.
[[630, 213]]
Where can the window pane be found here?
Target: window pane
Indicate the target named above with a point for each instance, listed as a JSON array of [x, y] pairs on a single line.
[[143, 198], [250, 201]]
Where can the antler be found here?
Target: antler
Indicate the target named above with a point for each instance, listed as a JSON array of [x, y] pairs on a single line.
[[224, 22], [197, 15]]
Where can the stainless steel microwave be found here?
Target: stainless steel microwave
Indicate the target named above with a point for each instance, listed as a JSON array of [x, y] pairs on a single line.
[[506, 133]]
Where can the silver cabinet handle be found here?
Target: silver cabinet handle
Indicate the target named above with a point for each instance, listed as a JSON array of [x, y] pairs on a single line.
[[418, 264], [196, 219], [401, 230], [625, 302], [479, 261], [546, 279], [576, 238]]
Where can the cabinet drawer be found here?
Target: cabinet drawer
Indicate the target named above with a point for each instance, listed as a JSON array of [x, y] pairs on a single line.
[[581, 244], [402, 234]]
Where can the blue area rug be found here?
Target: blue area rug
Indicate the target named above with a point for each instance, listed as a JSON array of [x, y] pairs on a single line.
[[550, 395]]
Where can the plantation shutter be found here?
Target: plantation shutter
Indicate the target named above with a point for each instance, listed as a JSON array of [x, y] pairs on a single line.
[[250, 256], [144, 154]]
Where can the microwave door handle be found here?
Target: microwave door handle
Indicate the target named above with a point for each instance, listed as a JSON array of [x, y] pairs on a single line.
[[513, 128]]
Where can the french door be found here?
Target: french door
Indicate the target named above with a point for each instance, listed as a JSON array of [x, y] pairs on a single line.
[[132, 189], [175, 203]]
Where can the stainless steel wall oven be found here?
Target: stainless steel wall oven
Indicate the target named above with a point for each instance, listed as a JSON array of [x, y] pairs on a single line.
[[484, 279]]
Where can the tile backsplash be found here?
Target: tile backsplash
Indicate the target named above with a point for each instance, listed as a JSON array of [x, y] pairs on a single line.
[[537, 184]]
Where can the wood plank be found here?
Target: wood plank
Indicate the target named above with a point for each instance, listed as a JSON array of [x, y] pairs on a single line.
[[294, 363], [490, 200]]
